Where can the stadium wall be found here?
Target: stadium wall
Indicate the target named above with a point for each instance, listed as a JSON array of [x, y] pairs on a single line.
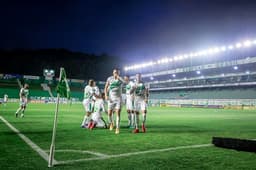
[[207, 93]]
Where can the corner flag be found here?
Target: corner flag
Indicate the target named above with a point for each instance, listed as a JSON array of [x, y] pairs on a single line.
[[63, 87], [63, 90]]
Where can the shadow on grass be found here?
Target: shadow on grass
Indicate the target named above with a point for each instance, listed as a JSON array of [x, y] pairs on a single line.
[[176, 129]]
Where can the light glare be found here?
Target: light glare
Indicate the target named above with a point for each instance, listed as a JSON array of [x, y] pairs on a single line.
[[238, 45], [247, 43], [230, 47]]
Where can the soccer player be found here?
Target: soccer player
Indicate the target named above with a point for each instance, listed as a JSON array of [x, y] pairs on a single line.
[[141, 94], [24, 91], [113, 93], [96, 90], [129, 101], [5, 99], [88, 102], [97, 119]]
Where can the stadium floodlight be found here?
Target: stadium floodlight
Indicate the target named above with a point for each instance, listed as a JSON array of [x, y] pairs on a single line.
[[48, 74], [191, 55], [200, 53], [185, 55], [222, 74], [230, 47], [180, 57], [165, 60], [151, 78], [247, 43], [196, 54], [216, 50], [247, 72], [223, 48], [198, 72], [204, 52], [238, 45], [210, 51], [173, 75], [185, 78], [235, 67]]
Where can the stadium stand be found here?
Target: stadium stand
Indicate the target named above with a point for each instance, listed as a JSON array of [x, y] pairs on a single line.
[[39, 87], [222, 76]]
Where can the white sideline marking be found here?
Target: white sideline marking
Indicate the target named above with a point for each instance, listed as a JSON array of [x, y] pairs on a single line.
[[29, 142], [81, 151], [135, 153]]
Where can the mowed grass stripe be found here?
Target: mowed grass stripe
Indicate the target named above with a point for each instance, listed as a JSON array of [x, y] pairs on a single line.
[[29, 142]]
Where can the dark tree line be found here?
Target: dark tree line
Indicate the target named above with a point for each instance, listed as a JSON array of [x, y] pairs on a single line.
[[77, 65]]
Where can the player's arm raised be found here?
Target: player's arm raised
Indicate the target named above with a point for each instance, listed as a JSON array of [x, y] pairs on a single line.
[[20, 94]]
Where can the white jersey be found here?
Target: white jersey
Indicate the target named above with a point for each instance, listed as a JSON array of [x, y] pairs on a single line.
[[89, 92], [98, 109], [24, 93], [5, 98], [99, 106], [128, 89], [24, 96], [115, 88], [140, 90], [96, 90]]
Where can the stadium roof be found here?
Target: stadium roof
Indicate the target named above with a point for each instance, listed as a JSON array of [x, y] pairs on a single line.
[[201, 53]]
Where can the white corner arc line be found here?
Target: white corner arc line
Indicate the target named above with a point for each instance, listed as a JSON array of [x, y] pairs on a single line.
[[29, 142], [136, 153]]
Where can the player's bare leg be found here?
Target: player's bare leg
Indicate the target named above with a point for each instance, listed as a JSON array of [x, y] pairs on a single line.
[[136, 130], [86, 118], [110, 119], [129, 115], [22, 111], [18, 111], [144, 116], [118, 121]]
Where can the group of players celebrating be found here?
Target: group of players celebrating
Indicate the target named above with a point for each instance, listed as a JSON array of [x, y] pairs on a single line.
[[136, 100]]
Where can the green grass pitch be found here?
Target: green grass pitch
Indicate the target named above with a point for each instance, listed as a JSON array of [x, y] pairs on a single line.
[[166, 127]]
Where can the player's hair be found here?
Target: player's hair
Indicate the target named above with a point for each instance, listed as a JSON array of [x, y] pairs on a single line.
[[26, 85], [115, 68], [90, 82], [127, 76]]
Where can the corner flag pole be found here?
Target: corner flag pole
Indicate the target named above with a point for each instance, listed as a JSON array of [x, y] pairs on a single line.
[[52, 148]]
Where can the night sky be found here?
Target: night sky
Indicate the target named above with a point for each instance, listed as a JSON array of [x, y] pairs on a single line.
[[132, 29]]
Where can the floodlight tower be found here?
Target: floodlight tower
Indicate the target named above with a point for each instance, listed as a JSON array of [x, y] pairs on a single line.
[[49, 74]]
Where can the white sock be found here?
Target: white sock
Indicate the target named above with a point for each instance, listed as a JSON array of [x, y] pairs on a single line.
[[18, 110], [144, 118], [110, 118], [136, 121], [84, 120], [132, 119], [118, 122], [129, 119]]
